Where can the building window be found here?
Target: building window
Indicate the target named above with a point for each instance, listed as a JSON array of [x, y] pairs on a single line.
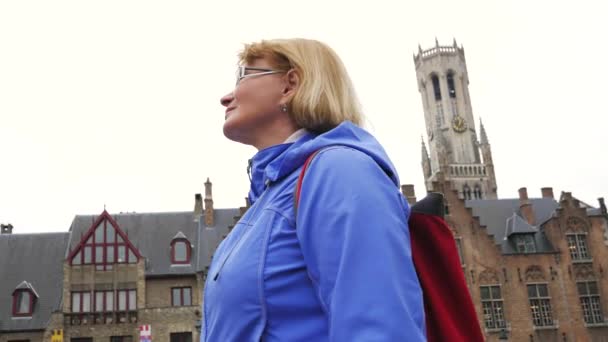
[[492, 304], [81, 301], [577, 244], [466, 192], [180, 251], [525, 243], [23, 302], [590, 302], [477, 192], [121, 339], [127, 300], [181, 296], [451, 86], [104, 301], [436, 88], [104, 248], [540, 305], [81, 339], [181, 337]]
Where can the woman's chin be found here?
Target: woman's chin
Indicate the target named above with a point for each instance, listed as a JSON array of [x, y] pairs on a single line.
[[231, 131]]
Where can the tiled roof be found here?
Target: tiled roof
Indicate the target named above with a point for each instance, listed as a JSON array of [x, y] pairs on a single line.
[[152, 233], [495, 215], [35, 262]]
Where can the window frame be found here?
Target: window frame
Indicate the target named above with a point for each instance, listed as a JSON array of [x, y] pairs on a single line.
[[81, 306], [180, 336], [496, 306], [121, 338], [525, 240], [543, 304], [16, 305], [128, 300], [575, 251], [108, 259], [597, 316], [104, 301], [181, 295], [188, 259]]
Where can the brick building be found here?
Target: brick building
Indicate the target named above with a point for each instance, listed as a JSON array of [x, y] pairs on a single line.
[[111, 274], [534, 266]]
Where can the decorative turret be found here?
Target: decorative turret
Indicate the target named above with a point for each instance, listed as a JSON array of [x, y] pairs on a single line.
[[426, 162]]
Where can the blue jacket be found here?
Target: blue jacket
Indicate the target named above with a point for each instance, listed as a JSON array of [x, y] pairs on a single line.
[[344, 272]]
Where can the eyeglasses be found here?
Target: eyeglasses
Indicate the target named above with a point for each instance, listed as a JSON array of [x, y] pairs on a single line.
[[241, 72]]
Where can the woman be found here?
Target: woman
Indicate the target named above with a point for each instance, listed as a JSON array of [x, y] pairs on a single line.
[[341, 268]]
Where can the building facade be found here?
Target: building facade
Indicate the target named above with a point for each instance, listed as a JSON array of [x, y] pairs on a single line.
[[111, 277], [534, 266]]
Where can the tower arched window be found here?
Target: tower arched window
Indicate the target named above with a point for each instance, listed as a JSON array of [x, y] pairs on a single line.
[[436, 88], [181, 250], [451, 85], [477, 192], [466, 191]]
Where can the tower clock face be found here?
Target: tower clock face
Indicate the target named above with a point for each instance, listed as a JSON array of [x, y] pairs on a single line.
[[459, 124]]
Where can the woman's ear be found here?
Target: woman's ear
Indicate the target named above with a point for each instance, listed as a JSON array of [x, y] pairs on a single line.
[[292, 83]]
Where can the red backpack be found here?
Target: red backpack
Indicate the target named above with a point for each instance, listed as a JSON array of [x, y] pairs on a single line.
[[448, 308]]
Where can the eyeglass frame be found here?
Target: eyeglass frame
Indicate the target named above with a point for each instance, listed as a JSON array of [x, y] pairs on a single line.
[[240, 72]]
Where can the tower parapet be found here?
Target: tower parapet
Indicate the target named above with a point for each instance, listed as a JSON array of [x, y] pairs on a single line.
[[438, 50]]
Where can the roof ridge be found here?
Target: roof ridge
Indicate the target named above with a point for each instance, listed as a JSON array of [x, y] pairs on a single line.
[[34, 233]]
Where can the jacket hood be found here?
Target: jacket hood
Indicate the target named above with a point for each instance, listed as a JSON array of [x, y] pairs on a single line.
[[277, 162]]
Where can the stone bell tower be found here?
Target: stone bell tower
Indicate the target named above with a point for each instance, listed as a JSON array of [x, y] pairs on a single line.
[[454, 153]]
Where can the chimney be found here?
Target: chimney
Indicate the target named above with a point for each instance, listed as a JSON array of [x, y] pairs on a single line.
[[6, 228], [602, 206], [525, 206], [547, 192], [409, 193], [209, 222], [198, 207]]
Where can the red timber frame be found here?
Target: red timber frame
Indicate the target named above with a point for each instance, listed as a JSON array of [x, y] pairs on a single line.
[[30, 311], [93, 248], [181, 295], [188, 251]]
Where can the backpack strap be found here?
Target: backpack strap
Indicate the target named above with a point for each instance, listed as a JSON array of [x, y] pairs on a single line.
[[296, 197]]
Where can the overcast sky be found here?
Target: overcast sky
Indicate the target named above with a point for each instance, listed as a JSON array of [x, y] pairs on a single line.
[[116, 103]]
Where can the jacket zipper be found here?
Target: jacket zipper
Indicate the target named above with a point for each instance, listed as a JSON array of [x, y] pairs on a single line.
[[217, 274]]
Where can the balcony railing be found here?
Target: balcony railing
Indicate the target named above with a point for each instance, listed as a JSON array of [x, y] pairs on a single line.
[[91, 318]]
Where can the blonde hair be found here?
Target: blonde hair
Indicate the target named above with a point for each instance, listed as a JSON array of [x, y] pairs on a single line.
[[325, 96]]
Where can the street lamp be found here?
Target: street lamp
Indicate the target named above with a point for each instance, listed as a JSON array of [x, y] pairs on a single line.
[[503, 335]]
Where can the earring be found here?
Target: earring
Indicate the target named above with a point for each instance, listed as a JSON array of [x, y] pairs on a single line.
[[284, 108]]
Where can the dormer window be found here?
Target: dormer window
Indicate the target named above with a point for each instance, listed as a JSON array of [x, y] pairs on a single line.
[[24, 298], [180, 250], [525, 243], [23, 302]]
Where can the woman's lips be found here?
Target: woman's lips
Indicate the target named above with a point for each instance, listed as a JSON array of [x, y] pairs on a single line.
[[228, 111]]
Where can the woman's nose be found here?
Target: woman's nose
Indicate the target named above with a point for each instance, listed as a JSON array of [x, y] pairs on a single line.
[[227, 99]]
